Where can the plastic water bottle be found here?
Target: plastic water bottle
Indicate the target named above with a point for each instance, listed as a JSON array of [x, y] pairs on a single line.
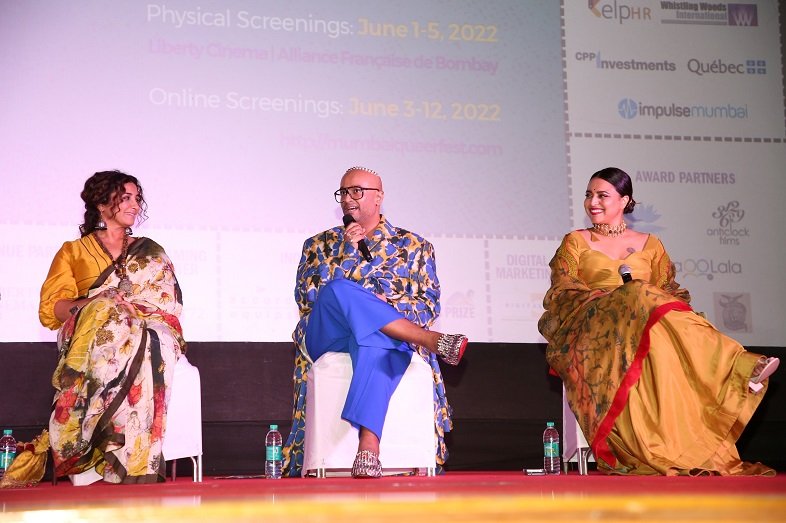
[[7, 450], [551, 456], [273, 454]]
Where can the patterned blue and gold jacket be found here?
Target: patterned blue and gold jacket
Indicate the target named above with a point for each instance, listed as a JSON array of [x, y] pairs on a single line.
[[403, 269]]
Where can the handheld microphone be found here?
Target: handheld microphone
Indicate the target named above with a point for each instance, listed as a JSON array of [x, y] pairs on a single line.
[[362, 247], [624, 271]]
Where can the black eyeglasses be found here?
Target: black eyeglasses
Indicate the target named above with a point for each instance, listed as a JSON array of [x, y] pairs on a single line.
[[355, 193]]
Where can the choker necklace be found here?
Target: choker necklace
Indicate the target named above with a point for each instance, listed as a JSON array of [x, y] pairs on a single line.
[[605, 229], [119, 263]]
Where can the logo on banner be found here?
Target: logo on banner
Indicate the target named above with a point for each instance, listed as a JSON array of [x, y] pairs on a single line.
[[619, 12], [629, 108], [745, 15], [644, 218], [460, 305], [718, 66], [603, 62], [755, 66], [707, 268], [524, 267], [728, 231], [733, 311], [709, 13]]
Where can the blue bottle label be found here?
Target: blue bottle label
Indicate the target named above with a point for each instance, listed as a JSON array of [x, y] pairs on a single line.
[[5, 459], [551, 449], [273, 453]]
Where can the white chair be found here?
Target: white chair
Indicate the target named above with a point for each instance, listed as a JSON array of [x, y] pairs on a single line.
[[183, 436], [408, 442], [574, 445]]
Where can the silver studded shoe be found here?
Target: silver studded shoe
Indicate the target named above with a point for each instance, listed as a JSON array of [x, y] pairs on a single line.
[[450, 347], [366, 465]]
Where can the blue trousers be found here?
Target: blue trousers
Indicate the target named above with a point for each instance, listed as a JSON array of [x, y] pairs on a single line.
[[346, 318]]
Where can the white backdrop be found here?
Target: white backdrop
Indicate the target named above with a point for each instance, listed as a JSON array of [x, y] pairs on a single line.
[[485, 120]]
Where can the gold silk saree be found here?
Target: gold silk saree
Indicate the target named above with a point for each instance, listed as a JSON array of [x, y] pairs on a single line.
[[655, 387]]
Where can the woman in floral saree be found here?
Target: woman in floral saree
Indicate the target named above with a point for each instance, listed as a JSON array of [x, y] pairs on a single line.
[[116, 301], [655, 388]]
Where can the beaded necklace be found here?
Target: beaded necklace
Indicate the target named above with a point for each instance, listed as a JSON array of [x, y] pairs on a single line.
[[605, 229], [118, 263]]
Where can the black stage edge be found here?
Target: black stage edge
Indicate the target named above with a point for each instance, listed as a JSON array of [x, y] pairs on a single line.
[[501, 396]]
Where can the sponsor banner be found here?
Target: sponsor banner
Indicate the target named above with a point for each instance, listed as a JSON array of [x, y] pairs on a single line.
[[194, 255], [662, 67], [643, 13], [264, 298], [463, 285], [26, 252], [519, 277]]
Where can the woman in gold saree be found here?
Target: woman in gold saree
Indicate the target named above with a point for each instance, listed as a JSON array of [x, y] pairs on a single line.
[[655, 387], [116, 301]]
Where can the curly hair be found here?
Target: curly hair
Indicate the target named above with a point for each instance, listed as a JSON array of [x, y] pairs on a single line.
[[621, 182], [107, 188]]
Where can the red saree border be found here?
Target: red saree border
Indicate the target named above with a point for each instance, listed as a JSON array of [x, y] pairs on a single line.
[[599, 445]]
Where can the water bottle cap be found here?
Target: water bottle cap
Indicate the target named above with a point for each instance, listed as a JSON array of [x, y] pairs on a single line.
[[274, 427], [6, 432], [549, 423]]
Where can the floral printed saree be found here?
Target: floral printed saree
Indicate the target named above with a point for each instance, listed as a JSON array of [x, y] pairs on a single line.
[[112, 379]]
